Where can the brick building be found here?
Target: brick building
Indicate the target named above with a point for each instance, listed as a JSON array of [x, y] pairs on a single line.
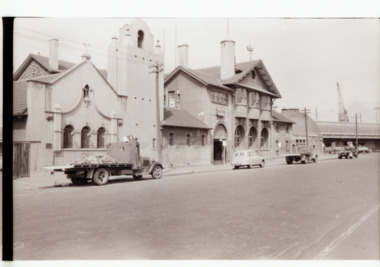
[[234, 101]]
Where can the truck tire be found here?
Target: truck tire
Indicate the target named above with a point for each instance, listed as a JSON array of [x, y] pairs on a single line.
[[303, 161], [339, 157], [137, 177], [101, 176], [289, 160], [78, 181], [157, 172], [315, 159]]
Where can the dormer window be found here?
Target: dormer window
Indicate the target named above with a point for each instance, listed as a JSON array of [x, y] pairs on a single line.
[[140, 38], [253, 74], [86, 89]]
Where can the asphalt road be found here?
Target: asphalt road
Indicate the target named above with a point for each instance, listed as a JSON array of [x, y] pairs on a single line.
[[328, 210]]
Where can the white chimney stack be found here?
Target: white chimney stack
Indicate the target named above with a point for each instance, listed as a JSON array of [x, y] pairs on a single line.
[[53, 53], [183, 55], [227, 66]]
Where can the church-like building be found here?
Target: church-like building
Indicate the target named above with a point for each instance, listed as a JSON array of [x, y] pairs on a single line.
[[63, 111]]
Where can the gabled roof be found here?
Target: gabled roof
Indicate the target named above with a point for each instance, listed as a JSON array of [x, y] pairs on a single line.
[[20, 105], [299, 128], [44, 62], [201, 77], [211, 76], [278, 117], [180, 118]]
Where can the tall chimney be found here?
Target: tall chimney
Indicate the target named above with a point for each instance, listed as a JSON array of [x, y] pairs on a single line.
[[227, 66], [53, 53], [183, 55]]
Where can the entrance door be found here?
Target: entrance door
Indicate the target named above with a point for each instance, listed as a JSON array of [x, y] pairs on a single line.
[[218, 151], [21, 159]]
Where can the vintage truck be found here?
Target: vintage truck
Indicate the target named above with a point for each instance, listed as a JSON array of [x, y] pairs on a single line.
[[122, 159], [303, 154]]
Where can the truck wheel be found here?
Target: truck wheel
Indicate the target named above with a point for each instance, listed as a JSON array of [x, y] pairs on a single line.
[[137, 177], [157, 172], [289, 160], [339, 157], [303, 161], [78, 181], [262, 164], [315, 159], [236, 167], [101, 176]]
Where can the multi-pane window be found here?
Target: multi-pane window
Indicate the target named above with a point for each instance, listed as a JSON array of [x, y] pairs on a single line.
[[265, 102], [100, 141], [264, 138], [85, 137], [171, 139], [252, 135], [254, 99], [219, 98], [239, 135], [241, 96], [172, 99], [68, 137], [188, 139]]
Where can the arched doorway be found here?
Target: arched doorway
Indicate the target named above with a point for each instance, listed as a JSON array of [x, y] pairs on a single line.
[[220, 141]]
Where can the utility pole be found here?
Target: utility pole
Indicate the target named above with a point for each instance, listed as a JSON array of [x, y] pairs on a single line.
[[356, 130], [157, 68], [306, 133]]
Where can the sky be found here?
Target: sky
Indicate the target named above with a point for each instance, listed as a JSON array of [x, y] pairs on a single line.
[[305, 57]]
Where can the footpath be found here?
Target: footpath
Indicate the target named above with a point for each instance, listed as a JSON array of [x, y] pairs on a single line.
[[59, 178]]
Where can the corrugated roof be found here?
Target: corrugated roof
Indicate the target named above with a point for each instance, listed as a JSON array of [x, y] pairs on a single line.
[[347, 128], [20, 98], [280, 117], [180, 118]]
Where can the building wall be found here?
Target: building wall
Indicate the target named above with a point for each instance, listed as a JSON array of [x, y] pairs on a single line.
[[181, 154], [282, 134], [19, 128]]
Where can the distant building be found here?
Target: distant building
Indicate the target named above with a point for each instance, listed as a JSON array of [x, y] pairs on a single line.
[[305, 132], [338, 134], [233, 101], [64, 110]]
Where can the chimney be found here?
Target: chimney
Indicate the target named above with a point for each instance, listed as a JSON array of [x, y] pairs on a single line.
[[227, 66], [53, 53], [183, 55]]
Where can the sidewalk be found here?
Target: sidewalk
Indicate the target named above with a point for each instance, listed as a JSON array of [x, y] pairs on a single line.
[[59, 179]]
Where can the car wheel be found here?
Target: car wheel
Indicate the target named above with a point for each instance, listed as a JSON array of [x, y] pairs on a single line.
[[101, 176], [157, 172], [315, 159], [262, 164], [249, 166]]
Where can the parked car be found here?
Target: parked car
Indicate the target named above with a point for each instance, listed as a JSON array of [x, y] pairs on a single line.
[[364, 149], [348, 153], [247, 158]]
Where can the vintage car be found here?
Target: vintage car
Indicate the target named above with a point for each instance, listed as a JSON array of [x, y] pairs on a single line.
[[348, 152], [247, 158]]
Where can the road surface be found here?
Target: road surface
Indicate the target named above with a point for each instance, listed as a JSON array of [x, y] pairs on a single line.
[[328, 210]]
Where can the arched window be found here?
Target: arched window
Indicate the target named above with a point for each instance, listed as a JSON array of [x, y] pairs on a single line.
[[140, 38], [85, 137], [68, 136], [264, 138], [252, 136], [239, 135], [100, 141]]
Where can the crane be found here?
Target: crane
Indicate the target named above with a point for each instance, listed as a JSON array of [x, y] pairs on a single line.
[[343, 116]]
